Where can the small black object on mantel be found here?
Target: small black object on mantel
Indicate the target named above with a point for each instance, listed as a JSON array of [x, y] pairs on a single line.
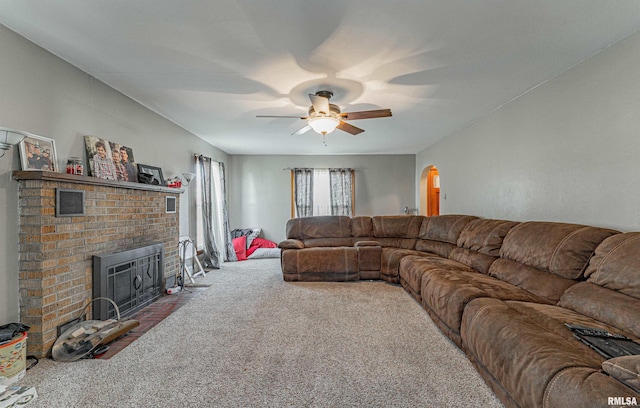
[[146, 178]]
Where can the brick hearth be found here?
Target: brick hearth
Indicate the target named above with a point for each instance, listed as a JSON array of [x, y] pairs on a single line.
[[56, 252]]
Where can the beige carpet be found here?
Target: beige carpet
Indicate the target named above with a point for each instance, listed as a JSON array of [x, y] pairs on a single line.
[[252, 340]]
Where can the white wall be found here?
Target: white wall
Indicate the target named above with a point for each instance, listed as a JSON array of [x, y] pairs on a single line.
[[569, 150], [42, 94], [260, 195]]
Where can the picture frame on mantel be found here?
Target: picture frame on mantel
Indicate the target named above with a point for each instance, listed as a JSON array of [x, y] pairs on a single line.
[[38, 153], [155, 174]]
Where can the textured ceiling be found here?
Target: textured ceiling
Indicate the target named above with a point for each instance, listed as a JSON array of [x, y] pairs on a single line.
[[212, 66]]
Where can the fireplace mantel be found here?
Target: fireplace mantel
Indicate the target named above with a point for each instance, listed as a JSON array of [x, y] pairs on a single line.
[[72, 178]]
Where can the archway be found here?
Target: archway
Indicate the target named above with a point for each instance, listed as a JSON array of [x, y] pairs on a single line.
[[430, 191]]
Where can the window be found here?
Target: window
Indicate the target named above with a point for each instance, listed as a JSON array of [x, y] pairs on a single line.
[[317, 192]]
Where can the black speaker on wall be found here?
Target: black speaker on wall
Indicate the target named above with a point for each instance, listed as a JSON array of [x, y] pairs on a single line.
[[69, 203]]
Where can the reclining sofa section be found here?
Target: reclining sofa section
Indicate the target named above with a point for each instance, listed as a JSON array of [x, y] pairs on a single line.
[[502, 291]]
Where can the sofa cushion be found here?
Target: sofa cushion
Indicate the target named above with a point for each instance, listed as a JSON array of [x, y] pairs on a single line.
[[390, 262], [484, 236], [444, 228], [329, 226], [625, 369], [413, 267], [369, 261], [616, 264], [435, 247], [531, 354], [397, 226], [539, 282], [608, 306], [361, 226], [476, 260], [562, 249], [446, 293], [320, 264], [611, 293], [439, 234]]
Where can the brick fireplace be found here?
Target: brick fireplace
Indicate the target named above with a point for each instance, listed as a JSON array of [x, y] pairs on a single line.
[[55, 252]]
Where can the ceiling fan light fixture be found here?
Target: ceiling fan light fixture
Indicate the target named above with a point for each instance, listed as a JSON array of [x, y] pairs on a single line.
[[324, 124]]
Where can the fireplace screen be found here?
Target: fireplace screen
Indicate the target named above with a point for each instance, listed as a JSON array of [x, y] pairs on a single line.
[[132, 279]]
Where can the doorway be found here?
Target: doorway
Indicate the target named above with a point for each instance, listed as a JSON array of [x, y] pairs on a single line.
[[430, 191]]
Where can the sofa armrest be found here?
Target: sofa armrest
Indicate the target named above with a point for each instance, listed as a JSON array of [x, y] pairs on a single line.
[[367, 243], [291, 244], [625, 369]]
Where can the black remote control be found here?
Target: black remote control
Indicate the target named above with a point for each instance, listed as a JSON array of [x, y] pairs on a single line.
[[592, 331]]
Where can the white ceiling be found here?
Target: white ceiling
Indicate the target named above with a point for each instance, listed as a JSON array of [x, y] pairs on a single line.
[[212, 66]]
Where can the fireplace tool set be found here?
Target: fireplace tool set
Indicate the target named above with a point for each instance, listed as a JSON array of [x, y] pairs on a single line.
[[186, 272]]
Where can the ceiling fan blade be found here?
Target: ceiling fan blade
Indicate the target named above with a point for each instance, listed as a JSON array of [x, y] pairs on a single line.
[[379, 113], [302, 130], [320, 103], [346, 127], [280, 116]]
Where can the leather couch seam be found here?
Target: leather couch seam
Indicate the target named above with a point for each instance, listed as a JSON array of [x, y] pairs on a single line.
[[547, 389]]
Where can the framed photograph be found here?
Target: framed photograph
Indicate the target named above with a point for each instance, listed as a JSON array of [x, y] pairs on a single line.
[[154, 174], [126, 168], [38, 153], [109, 160]]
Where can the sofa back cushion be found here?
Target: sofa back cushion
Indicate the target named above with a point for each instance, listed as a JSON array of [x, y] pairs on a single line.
[[479, 243], [361, 226], [439, 234], [329, 226], [546, 258], [485, 236], [397, 226], [611, 293], [541, 283], [616, 264], [444, 228], [558, 248]]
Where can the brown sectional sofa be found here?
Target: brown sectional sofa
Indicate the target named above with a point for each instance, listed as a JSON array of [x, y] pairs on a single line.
[[502, 291]]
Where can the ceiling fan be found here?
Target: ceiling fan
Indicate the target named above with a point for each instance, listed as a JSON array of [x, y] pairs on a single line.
[[325, 117]]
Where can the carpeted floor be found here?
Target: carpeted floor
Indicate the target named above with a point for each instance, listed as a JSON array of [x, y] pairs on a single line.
[[252, 340]]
